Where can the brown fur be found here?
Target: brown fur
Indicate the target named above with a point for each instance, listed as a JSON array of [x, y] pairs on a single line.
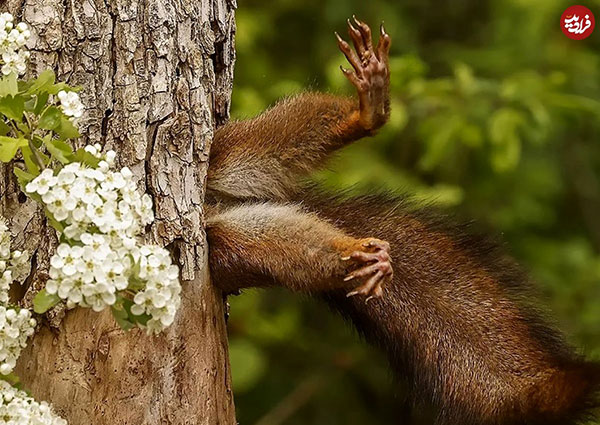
[[456, 320], [263, 243], [295, 136]]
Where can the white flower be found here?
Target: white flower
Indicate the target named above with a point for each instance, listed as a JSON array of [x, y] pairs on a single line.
[[100, 296], [90, 268], [161, 298], [145, 211], [66, 177], [13, 265], [15, 327], [67, 259], [97, 245], [42, 183], [71, 104], [94, 174], [74, 231], [5, 282], [101, 214], [13, 53], [126, 172], [110, 157], [17, 408], [4, 241], [14, 62], [19, 265], [114, 181], [89, 148], [52, 195]]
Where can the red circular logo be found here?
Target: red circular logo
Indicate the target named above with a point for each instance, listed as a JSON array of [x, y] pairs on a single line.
[[577, 22]]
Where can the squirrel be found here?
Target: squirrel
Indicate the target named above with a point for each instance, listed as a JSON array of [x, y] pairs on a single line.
[[453, 313]]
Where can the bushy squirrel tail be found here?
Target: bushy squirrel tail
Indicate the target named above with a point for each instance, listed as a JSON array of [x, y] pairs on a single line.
[[459, 322], [569, 396]]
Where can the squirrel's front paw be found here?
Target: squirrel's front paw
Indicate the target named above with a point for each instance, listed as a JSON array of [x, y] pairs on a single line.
[[375, 266], [371, 74]]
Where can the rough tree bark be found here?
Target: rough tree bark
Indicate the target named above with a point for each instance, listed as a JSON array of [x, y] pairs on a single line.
[[156, 78]]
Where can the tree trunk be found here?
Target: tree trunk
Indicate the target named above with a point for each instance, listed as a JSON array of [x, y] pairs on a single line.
[[156, 77]]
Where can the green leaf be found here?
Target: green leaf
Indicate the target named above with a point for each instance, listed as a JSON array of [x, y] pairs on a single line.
[[23, 176], [4, 128], [135, 283], [45, 158], [30, 104], [135, 271], [40, 103], [59, 150], [50, 119], [9, 147], [38, 141], [8, 85], [121, 311], [44, 301], [42, 83], [30, 163], [61, 86], [12, 379], [81, 155], [121, 317], [12, 107], [23, 85], [141, 319], [23, 128], [66, 129]]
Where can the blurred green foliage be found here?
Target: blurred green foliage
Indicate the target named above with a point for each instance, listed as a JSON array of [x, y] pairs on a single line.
[[496, 115]]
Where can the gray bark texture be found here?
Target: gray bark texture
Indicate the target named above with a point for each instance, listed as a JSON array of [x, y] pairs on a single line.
[[156, 78]]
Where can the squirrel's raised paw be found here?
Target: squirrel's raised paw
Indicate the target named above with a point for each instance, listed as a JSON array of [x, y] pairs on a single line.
[[375, 266], [370, 74]]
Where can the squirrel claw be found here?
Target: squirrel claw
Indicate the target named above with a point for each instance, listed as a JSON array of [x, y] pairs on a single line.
[[377, 269], [370, 71], [372, 288]]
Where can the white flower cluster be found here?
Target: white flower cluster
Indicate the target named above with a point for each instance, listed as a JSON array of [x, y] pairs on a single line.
[[13, 264], [12, 45], [160, 298], [103, 214], [70, 104], [94, 200], [17, 408], [15, 325], [15, 328]]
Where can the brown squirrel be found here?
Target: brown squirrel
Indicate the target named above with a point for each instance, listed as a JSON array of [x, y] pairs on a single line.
[[454, 316]]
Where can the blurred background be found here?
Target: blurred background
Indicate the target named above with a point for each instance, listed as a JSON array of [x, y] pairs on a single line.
[[496, 116]]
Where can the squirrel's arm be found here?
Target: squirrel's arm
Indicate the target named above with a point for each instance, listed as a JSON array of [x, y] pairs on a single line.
[[263, 244], [262, 158]]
